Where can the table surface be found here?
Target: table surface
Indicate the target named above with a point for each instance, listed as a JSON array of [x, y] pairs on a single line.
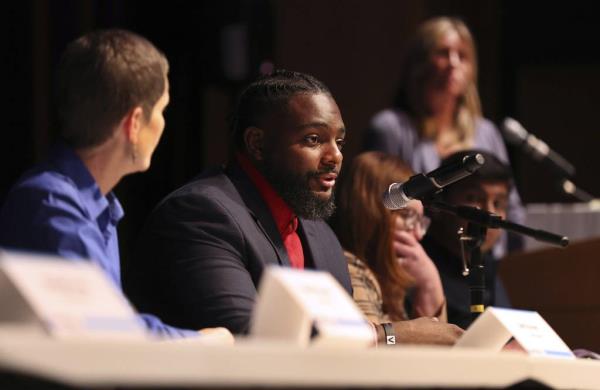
[[191, 363]]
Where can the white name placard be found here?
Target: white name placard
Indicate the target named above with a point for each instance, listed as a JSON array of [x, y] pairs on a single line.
[[66, 298], [494, 328], [308, 307]]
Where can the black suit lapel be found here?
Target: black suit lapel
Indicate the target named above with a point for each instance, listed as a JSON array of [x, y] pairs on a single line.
[[258, 210], [311, 244], [323, 249]]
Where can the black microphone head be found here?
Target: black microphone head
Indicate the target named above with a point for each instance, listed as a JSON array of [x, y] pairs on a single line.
[[473, 162], [513, 131], [516, 134], [461, 165]]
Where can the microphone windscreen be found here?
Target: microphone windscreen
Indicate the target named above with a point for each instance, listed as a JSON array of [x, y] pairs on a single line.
[[394, 197]]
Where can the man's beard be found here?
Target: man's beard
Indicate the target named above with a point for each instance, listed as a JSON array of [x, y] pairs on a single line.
[[295, 190]]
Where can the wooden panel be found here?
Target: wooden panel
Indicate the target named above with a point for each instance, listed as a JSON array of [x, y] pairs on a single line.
[[562, 285]]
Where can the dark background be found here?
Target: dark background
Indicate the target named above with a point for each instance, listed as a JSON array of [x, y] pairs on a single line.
[[538, 63]]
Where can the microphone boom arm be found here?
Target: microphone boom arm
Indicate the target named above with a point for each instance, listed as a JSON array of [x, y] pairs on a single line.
[[489, 220], [478, 223]]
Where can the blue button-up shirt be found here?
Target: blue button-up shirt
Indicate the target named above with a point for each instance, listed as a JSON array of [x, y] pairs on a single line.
[[58, 208]]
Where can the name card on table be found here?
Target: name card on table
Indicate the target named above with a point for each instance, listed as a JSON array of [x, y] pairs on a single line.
[[494, 328], [66, 298], [308, 308]]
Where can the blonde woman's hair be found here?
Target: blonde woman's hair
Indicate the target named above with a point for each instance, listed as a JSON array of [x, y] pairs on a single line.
[[417, 70]]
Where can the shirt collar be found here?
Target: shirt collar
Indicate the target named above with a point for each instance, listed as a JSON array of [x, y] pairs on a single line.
[[285, 219], [68, 162]]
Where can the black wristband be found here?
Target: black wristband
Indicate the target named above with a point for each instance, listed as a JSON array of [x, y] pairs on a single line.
[[390, 335]]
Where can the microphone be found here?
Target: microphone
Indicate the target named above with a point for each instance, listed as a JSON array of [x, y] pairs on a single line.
[[570, 188], [516, 134], [423, 186]]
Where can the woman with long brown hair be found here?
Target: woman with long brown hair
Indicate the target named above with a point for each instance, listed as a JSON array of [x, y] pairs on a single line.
[[382, 246]]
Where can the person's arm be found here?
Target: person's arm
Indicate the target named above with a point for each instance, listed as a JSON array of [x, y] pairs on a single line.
[[190, 266], [46, 221], [429, 300], [161, 330], [422, 330], [209, 335], [51, 220]]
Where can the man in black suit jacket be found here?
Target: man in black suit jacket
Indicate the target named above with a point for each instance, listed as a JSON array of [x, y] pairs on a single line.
[[204, 247]]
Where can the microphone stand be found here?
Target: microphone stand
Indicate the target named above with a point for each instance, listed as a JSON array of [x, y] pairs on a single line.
[[471, 239]]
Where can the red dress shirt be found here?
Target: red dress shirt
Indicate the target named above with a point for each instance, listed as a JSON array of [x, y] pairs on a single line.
[[285, 219]]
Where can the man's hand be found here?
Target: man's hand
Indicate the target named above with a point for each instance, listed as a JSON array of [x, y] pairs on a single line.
[[216, 336]]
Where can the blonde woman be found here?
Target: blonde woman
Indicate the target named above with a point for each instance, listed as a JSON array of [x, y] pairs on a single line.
[[437, 110]]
